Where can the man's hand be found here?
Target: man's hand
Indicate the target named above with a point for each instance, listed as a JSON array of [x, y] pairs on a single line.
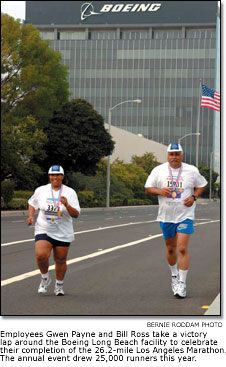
[[165, 191], [189, 201]]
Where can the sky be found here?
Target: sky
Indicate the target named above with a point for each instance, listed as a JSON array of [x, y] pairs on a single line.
[[14, 8]]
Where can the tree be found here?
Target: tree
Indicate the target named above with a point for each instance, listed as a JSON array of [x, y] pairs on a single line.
[[33, 81], [33, 85], [146, 161], [130, 174], [7, 190], [22, 152], [77, 138], [205, 171]]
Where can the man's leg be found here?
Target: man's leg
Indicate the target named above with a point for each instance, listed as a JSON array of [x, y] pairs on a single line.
[[183, 262], [171, 255], [171, 250], [182, 245], [60, 257]]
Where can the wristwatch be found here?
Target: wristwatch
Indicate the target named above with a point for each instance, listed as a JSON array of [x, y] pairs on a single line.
[[195, 197]]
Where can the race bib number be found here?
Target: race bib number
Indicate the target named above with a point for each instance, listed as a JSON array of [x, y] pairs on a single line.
[[51, 212]]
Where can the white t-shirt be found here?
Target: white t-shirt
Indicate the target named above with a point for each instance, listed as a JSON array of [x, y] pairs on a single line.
[[174, 210], [58, 228]]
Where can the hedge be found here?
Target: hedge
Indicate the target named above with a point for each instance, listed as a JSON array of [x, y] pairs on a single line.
[[23, 194], [86, 200], [16, 204]]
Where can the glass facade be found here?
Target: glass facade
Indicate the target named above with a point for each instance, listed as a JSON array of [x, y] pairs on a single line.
[[162, 67]]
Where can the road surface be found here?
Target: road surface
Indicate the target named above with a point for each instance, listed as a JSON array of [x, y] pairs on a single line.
[[116, 266]]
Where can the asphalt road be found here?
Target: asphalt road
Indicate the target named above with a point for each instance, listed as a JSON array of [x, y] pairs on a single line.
[[117, 266]]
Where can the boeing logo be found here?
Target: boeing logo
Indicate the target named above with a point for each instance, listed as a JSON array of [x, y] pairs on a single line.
[[87, 9]]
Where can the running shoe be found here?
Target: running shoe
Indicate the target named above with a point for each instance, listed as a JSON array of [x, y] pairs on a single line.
[[45, 282], [59, 289], [181, 290], [174, 283]]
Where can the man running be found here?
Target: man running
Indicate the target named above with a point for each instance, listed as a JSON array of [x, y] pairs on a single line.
[[178, 185]]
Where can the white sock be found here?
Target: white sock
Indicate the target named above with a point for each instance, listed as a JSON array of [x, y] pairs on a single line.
[[173, 269], [61, 282], [46, 275], [183, 275]]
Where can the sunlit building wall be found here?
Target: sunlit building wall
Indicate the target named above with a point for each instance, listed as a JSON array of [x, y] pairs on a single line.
[[158, 56]]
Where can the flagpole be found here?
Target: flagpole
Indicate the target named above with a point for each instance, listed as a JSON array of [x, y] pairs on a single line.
[[216, 116], [198, 126], [211, 170]]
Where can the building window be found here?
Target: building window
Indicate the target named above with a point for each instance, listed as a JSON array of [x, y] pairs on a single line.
[[134, 35], [167, 34], [72, 35], [47, 35], [200, 33], [103, 35]]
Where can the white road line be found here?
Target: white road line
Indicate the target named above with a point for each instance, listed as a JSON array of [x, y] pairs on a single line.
[[85, 231], [203, 219], [209, 221], [95, 254], [17, 221], [78, 259], [100, 229]]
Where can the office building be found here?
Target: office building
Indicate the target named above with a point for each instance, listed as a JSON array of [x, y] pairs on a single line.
[[154, 51]]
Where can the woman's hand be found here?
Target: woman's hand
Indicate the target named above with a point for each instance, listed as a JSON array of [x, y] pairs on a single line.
[[30, 221], [63, 200]]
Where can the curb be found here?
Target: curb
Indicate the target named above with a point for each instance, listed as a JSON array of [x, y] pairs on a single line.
[[83, 210], [214, 309], [6, 213]]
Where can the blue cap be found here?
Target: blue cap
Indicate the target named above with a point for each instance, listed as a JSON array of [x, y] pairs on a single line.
[[174, 147], [56, 170]]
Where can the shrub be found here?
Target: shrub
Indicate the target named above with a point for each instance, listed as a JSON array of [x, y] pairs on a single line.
[[7, 189], [86, 199], [23, 194], [154, 199], [116, 202], [132, 202], [18, 204]]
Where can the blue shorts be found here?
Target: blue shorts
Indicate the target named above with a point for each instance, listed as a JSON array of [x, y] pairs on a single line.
[[170, 229], [55, 243]]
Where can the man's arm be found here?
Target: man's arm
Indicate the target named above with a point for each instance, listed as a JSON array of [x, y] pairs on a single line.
[[197, 192], [165, 191]]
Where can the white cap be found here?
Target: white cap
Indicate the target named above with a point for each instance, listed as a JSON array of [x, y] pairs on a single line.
[[56, 170], [174, 147]]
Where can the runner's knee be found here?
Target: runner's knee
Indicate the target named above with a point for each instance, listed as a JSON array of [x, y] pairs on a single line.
[[171, 250], [42, 256], [182, 250], [60, 260]]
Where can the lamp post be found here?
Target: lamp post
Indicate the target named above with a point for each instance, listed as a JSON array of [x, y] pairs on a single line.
[[179, 140], [108, 161]]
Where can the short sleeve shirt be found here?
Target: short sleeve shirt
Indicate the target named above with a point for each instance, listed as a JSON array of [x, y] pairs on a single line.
[[46, 200], [174, 210]]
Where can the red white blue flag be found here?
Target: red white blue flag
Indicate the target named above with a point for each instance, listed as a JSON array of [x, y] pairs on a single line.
[[210, 98]]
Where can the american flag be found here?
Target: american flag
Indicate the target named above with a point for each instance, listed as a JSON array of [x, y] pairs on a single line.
[[210, 98]]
